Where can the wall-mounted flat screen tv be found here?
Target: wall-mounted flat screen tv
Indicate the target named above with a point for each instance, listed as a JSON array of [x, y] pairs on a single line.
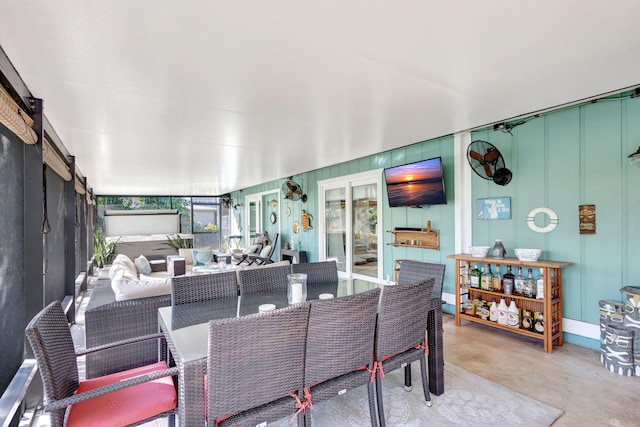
[[416, 184]]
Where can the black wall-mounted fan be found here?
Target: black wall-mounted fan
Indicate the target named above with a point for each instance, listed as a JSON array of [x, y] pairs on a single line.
[[487, 162], [291, 190]]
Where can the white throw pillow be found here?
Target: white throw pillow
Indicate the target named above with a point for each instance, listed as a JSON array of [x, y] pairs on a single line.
[[265, 251], [126, 289], [123, 262], [142, 265]]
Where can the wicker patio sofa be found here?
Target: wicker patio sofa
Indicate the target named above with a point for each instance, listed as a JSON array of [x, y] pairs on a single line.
[[108, 320]]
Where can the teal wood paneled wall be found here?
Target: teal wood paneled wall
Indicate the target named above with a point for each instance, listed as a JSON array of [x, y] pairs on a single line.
[[559, 160], [562, 160], [441, 217]]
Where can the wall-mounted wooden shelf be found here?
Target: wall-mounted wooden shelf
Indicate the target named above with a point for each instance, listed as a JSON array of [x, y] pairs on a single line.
[[424, 238]]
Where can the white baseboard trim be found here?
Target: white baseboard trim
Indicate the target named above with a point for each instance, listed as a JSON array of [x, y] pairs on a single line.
[[576, 327]]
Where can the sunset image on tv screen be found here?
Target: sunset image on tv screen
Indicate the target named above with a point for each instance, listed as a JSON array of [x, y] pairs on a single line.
[[416, 184]]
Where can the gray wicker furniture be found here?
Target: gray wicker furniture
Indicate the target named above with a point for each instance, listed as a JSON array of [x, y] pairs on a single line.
[[266, 279], [418, 271], [202, 287], [400, 334], [137, 399], [339, 348], [185, 327], [259, 260], [255, 367], [318, 273], [108, 320]]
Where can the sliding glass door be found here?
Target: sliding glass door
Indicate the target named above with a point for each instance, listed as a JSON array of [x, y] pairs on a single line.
[[349, 221]]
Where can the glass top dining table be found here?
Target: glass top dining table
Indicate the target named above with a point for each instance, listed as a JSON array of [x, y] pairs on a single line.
[[186, 328]]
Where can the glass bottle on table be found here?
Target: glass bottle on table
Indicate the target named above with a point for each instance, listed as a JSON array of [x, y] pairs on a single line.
[[529, 290], [496, 281], [540, 285], [518, 283], [486, 278], [507, 281], [493, 311], [475, 276]]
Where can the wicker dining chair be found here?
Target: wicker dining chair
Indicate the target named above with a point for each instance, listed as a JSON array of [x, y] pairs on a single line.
[[339, 350], [418, 271], [264, 279], [255, 367], [318, 273], [400, 334], [140, 395], [203, 287]]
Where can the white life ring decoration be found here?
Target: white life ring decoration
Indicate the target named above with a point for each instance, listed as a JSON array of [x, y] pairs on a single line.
[[553, 220]]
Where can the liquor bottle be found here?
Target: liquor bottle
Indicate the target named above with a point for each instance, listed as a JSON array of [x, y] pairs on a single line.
[[496, 282], [538, 322], [475, 276], [507, 281], [464, 273], [527, 320], [513, 315], [502, 312], [529, 290], [486, 278], [540, 285], [518, 283], [493, 311]]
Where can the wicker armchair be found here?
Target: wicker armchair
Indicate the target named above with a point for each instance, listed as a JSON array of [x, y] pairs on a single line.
[[400, 334], [203, 287], [140, 394], [255, 367], [318, 273], [108, 321], [264, 279], [340, 341], [418, 271]]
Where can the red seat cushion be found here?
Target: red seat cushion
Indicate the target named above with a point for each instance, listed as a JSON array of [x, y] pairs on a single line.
[[125, 406]]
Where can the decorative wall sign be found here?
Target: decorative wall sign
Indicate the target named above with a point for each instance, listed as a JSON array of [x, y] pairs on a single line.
[[551, 225], [587, 219], [494, 208]]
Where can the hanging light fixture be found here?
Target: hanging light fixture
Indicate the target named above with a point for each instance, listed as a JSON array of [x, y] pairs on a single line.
[[634, 159]]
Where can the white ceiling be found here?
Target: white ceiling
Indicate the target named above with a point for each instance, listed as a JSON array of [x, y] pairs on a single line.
[[191, 97]]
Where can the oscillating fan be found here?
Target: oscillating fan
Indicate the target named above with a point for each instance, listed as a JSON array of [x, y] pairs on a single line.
[[487, 162], [291, 190]]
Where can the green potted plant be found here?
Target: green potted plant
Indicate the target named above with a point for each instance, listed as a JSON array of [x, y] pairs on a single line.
[[104, 251]]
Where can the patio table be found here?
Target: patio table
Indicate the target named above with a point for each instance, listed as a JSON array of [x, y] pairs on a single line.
[[185, 327]]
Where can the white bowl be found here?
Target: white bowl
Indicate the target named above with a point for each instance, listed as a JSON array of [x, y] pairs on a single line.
[[528, 254], [479, 251]]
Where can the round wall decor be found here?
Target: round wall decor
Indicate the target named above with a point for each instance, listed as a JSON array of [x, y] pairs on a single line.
[[273, 218], [553, 220]]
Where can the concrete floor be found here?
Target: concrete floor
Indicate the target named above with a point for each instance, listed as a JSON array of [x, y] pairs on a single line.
[[571, 378]]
